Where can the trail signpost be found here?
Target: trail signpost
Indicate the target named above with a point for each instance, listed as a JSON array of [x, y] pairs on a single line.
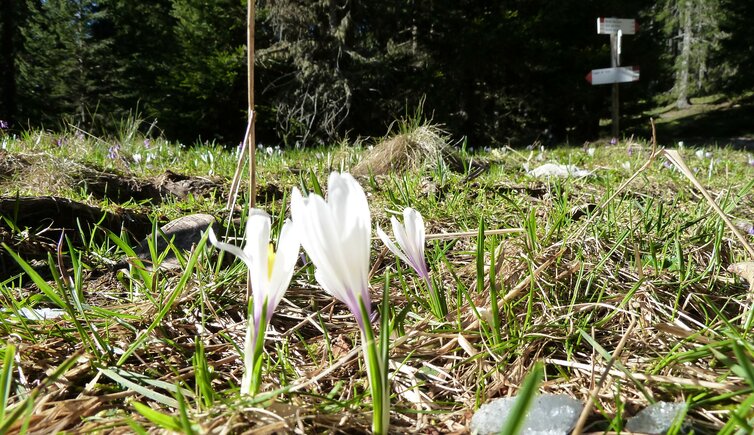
[[616, 28], [621, 74]]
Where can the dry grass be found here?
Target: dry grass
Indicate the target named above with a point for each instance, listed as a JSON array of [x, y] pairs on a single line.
[[424, 147], [640, 272]]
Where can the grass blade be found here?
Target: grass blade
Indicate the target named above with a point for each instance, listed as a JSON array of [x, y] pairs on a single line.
[[526, 394]]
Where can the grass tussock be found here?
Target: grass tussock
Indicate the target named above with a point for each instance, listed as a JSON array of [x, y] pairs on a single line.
[[616, 284], [424, 147]]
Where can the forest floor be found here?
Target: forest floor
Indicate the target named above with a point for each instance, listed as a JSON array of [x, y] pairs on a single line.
[[615, 279], [712, 120]]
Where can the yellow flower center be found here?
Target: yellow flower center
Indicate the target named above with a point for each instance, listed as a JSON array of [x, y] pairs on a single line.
[[270, 259]]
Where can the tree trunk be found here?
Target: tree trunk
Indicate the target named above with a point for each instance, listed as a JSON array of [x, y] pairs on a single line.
[[682, 74]]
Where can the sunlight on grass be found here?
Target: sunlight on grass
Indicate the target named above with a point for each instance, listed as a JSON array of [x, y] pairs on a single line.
[[613, 287]]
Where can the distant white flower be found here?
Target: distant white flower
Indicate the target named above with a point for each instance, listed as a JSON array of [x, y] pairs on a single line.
[[590, 151], [680, 144], [558, 170], [137, 158], [702, 154], [626, 165]]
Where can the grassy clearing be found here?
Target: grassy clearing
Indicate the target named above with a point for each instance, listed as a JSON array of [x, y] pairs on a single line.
[[141, 349]]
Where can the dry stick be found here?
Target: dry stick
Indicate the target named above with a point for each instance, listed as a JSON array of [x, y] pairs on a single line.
[[677, 160], [239, 167], [250, 77], [579, 428], [587, 368], [442, 236], [248, 146]]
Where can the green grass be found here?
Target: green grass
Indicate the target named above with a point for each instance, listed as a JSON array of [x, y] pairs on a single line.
[[593, 264]]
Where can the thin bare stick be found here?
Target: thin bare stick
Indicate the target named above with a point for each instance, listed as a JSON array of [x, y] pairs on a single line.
[[648, 377], [250, 76], [579, 428], [442, 236], [233, 195], [464, 234], [248, 145]]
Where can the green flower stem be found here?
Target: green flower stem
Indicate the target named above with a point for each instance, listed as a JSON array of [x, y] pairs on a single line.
[[437, 302], [377, 374]]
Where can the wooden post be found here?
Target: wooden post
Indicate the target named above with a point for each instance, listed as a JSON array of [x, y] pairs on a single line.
[[250, 73], [614, 63], [616, 28]]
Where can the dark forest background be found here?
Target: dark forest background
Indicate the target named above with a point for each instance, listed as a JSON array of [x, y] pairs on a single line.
[[495, 72]]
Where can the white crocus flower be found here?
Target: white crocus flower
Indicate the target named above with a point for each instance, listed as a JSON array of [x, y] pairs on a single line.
[[410, 238], [336, 236], [270, 274]]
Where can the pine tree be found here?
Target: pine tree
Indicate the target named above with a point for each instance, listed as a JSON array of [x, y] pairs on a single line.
[[208, 72], [8, 45], [736, 56], [693, 30], [144, 51], [65, 66]]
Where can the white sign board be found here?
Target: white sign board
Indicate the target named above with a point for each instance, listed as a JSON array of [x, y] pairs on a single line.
[[627, 26], [606, 76]]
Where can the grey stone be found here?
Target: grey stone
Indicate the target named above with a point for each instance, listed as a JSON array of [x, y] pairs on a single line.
[[184, 232], [655, 419], [550, 414]]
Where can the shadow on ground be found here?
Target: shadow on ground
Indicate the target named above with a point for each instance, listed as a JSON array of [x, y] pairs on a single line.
[[722, 123]]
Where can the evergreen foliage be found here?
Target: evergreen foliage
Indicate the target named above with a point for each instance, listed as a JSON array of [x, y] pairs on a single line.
[[65, 65], [494, 72]]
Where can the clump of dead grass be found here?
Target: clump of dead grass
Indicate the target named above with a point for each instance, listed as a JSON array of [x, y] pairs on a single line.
[[425, 146]]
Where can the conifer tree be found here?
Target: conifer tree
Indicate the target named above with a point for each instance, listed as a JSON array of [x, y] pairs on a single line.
[[65, 68], [11, 15], [208, 74]]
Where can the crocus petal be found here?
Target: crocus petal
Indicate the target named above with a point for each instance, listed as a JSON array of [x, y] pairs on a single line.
[[405, 242], [285, 262], [336, 236], [409, 238], [351, 210], [414, 223], [317, 232], [227, 247], [392, 246], [257, 240]]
